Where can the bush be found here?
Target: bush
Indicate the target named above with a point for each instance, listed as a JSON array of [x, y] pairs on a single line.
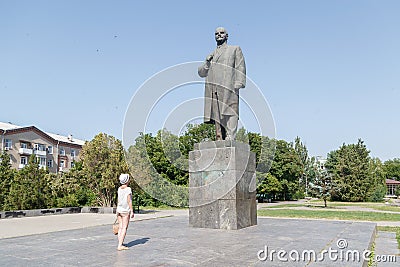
[[377, 194], [299, 194]]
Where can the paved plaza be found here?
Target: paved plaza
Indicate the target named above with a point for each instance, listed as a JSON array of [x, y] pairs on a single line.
[[165, 239]]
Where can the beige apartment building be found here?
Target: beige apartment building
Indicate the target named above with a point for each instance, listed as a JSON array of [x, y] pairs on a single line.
[[55, 152]]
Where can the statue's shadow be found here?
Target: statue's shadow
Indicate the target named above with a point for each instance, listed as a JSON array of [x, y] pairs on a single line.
[[136, 242]]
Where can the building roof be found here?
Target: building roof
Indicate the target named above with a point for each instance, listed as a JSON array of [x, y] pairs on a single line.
[[391, 181], [69, 139], [8, 126], [65, 139]]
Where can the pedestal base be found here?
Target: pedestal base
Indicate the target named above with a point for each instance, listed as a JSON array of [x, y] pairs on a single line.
[[222, 186]]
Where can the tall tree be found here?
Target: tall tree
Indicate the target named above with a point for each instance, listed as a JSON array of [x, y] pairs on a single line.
[[165, 175], [242, 135], [6, 178], [195, 133], [162, 152], [69, 190], [30, 189], [349, 166], [103, 161], [286, 163], [377, 183], [392, 169], [266, 148], [322, 184], [142, 172], [302, 153], [269, 185], [287, 168], [255, 142]]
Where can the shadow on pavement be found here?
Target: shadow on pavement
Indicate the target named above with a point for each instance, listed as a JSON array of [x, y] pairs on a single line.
[[140, 241]]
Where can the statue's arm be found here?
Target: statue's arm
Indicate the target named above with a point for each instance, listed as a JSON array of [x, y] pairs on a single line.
[[240, 66], [203, 69]]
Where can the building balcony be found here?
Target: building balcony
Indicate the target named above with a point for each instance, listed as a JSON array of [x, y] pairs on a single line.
[[25, 151], [40, 152]]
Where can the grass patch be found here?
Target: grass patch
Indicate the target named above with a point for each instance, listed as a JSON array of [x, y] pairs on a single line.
[[344, 204], [391, 229], [386, 208], [320, 204], [371, 261], [330, 214], [284, 206], [308, 205]]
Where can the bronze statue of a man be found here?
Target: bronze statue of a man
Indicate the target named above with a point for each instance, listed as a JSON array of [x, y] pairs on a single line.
[[225, 73]]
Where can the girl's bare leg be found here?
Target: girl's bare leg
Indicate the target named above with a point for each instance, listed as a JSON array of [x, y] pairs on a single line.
[[123, 221]]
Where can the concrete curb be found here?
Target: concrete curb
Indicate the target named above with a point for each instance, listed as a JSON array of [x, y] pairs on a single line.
[[56, 211]]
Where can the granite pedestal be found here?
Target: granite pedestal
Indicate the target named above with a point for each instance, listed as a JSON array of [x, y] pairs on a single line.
[[222, 186]]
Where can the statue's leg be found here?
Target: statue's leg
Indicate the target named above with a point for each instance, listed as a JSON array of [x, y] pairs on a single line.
[[216, 117], [218, 131], [231, 124], [223, 129]]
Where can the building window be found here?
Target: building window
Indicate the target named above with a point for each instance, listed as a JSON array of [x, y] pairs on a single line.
[[50, 149], [24, 145], [24, 160], [40, 147], [73, 154], [41, 161], [392, 189], [50, 163], [8, 143], [62, 163], [72, 164], [62, 151]]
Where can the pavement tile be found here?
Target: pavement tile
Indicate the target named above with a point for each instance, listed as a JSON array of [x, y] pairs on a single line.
[[169, 241]]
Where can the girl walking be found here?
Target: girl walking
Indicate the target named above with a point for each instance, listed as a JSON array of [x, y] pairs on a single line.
[[124, 209]]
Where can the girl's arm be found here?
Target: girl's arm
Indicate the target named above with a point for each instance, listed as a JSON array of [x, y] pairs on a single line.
[[130, 205]]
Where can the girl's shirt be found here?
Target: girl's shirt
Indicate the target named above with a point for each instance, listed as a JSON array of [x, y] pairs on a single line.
[[123, 193]]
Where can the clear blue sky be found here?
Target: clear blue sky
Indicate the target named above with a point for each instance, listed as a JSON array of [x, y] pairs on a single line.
[[330, 70]]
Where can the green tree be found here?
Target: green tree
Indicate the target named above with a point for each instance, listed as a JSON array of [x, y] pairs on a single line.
[[302, 153], [242, 136], [265, 147], [287, 168], [162, 152], [30, 189], [392, 169], [195, 134], [286, 164], [262, 146], [142, 172], [255, 142], [162, 168], [377, 182], [6, 178], [310, 176], [270, 185], [168, 160], [349, 166], [68, 189], [322, 184], [103, 161]]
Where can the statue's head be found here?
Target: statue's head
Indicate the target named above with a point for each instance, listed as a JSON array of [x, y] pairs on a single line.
[[221, 35]]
